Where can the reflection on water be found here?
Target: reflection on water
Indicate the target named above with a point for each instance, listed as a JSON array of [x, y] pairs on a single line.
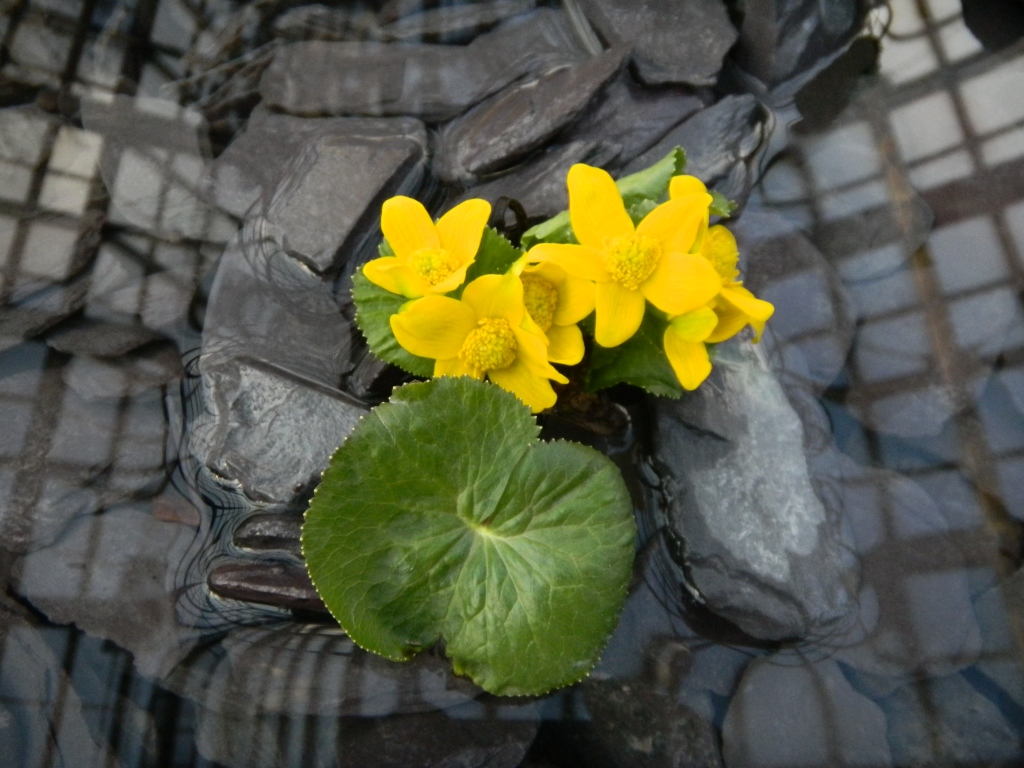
[[828, 571]]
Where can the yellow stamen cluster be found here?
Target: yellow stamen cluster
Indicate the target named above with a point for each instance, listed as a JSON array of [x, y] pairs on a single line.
[[541, 300], [490, 346], [631, 259], [434, 265]]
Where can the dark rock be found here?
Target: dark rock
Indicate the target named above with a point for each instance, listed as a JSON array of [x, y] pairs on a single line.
[[454, 23], [946, 721], [432, 82], [773, 563], [329, 198], [633, 117], [30, 315], [996, 23], [267, 306], [828, 93], [674, 41], [790, 712], [372, 379], [95, 379], [282, 584], [112, 576], [790, 40], [270, 532], [539, 183], [722, 143], [97, 338], [516, 121], [268, 429]]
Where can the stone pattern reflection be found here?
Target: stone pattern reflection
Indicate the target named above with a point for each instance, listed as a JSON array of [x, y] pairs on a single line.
[[161, 311]]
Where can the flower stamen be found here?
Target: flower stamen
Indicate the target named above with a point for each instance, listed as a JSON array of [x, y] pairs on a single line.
[[490, 346], [631, 259], [435, 265], [541, 300]]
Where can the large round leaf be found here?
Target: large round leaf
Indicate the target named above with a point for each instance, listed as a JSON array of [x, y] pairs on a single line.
[[443, 516]]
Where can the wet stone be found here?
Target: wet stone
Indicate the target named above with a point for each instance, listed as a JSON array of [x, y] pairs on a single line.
[[97, 338], [270, 430], [454, 23], [516, 121], [285, 585], [674, 41], [28, 316], [432, 82], [756, 541], [631, 116], [722, 145], [328, 200], [323, 22], [270, 532], [100, 378]]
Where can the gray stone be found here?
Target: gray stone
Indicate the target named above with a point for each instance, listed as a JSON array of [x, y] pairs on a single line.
[[454, 23], [131, 376], [539, 183], [722, 143], [328, 200], [631, 116], [674, 41], [324, 22], [98, 338], [758, 544], [267, 306], [285, 585], [30, 315], [268, 429], [270, 532], [788, 712], [1000, 611], [432, 82], [516, 121]]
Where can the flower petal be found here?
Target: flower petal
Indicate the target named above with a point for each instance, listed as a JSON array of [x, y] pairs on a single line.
[[578, 260], [407, 226], [434, 326], [575, 295], [695, 326], [455, 367], [680, 186], [518, 379], [497, 296], [675, 224], [393, 275], [596, 210], [681, 283], [565, 344], [462, 227], [720, 249], [737, 305], [689, 360], [533, 351], [619, 313]]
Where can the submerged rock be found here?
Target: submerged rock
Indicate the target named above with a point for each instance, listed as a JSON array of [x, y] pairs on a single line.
[[432, 82], [454, 23], [516, 121], [675, 41], [97, 338], [270, 532], [285, 585], [756, 541]]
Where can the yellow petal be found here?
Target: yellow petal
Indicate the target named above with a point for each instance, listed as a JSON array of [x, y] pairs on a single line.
[[689, 360], [575, 295], [455, 367], [407, 226], [450, 283], [681, 283], [730, 322], [619, 313], [675, 224], [462, 227], [565, 344], [596, 210], [497, 296], [533, 352], [533, 390], [695, 326], [578, 260], [434, 326], [738, 305], [680, 186], [393, 275], [702, 233], [720, 249]]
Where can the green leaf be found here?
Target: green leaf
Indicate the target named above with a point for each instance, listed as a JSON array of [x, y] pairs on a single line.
[[495, 256], [648, 184], [443, 516], [721, 205], [641, 361], [374, 308]]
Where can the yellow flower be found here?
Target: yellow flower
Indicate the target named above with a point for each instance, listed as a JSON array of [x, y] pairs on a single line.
[[685, 346], [556, 301], [429, 258], [631, 265], [482, 334]]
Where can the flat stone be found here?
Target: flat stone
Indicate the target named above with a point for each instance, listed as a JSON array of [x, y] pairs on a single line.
[[674, 41], [270, 532], [757, 542], [267, 306], [269, 430], [789, 712], [285, 585], [130, 376], [516, 121], [722, 144], [454, 23], [432, 82], [98, 338], [631, 116], [539, 183], [329, 199]]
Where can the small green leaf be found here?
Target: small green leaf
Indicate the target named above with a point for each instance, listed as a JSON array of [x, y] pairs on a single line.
[[495, 256], [443, 516], [721, 205], [374, 308], [641, 361], [648, 184]]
